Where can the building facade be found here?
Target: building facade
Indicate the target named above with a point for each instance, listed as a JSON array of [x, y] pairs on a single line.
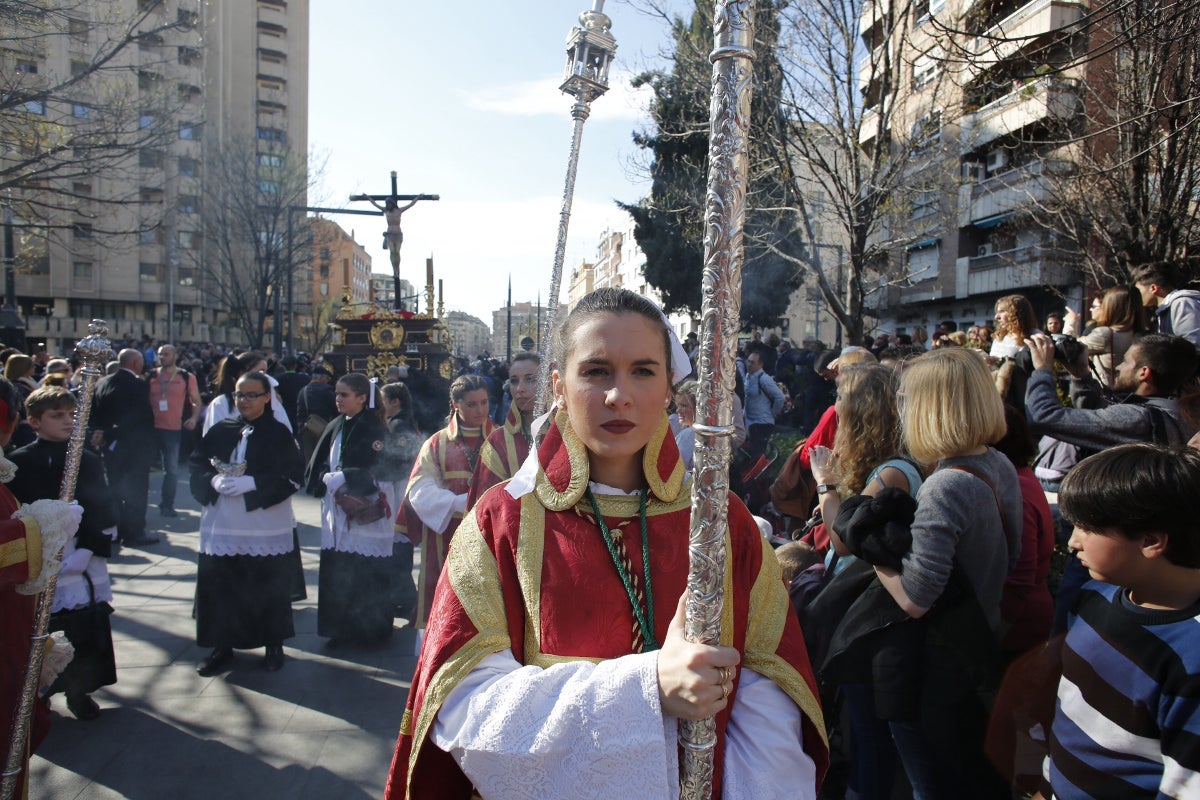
[[469, 335], [620, 263], [990, 91], [122, 236], [340, 266]]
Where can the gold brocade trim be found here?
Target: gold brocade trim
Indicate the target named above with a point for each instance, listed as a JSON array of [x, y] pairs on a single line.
[[546, 661], [13, 553], [475, 578], [667, 489], [510, 450], [406, 723], [624, 505], [490, 458], [580, 470], [769, 607], [531, 546], [33, 545]]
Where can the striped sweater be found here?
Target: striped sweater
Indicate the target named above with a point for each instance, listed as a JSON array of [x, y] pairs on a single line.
[[1127, 722]]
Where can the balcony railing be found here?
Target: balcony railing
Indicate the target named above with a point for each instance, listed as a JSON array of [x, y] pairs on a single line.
[[1020, 267], [1013, 189], [1022, 28], [1046, 98]]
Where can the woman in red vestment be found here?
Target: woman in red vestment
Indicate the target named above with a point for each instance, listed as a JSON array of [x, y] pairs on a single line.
[[554, 662], [508, 445]]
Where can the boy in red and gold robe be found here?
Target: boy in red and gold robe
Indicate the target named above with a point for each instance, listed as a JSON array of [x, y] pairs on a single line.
[[31, 538]]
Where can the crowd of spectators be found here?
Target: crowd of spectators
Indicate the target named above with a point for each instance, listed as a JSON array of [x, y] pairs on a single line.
[[936, 474], [1034, 408]]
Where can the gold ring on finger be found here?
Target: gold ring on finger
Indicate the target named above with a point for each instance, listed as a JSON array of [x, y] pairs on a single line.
[[725, 690]]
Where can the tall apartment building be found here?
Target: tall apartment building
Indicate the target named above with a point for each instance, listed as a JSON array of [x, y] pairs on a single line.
[[469, 335], [124, 239], [988, 94], [620, 263]]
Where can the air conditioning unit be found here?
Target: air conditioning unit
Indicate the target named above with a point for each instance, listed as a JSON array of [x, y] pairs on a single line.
[[996, 160], [986, 249], [973, 171]]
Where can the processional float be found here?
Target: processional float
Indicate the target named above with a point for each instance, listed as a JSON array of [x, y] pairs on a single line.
[[95, 351], [589, 53]]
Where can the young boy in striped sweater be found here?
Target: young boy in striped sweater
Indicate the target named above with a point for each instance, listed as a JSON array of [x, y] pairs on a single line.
[[1127, 721]]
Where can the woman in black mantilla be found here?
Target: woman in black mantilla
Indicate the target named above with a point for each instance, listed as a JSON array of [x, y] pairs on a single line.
[[354, 600], [244, 577]]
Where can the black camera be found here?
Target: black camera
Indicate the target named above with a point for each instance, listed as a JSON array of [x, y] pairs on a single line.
[[1067, 349]]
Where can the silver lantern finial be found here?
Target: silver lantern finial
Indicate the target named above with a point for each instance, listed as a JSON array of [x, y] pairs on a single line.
[[590, 51]]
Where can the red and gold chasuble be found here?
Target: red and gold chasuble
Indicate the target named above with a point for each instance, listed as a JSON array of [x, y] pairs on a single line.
[[20, 561], [448, 459], [501, 457], [533, 575]]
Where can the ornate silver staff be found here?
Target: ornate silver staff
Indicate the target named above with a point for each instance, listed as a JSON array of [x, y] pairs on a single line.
[[590, 50], [95, 351], [724, 220]]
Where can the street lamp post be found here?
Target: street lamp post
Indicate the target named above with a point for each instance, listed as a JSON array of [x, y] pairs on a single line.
[[12, 327], [590, 50]]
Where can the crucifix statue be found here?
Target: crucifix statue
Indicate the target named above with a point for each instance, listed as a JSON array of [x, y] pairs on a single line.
[[393, 237]]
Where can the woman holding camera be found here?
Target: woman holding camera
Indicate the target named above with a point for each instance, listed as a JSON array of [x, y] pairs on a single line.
[[1118, 320]]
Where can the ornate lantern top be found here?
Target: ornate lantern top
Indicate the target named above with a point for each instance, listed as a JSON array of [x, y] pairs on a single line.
[[590, 50]]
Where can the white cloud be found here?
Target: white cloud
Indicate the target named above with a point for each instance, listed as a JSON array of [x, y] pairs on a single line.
[[542, 97]]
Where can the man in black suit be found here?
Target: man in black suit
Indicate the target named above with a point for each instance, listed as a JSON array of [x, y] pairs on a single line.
[[124, 432], [290, 384]]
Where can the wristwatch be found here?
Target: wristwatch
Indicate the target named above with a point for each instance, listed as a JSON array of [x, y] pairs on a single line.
[[822, 488]]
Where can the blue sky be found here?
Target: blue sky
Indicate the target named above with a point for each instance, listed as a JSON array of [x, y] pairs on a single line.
[[462, 100]]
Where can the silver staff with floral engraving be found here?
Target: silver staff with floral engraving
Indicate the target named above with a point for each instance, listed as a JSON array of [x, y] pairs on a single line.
[[95, 351], [724, 218]]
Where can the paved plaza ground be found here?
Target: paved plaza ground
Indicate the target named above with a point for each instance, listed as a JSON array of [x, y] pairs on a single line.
[[322, 727]]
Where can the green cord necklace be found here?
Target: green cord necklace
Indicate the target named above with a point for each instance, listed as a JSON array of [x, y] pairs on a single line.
[[645, 617]]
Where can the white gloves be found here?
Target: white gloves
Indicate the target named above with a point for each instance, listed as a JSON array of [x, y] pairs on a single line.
[[460, 504], [332, 477], [76, 562], [59, 652], [231, 486], [58, 521]]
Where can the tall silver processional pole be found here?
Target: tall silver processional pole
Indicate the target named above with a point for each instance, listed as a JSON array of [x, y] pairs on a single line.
[[590, 50]]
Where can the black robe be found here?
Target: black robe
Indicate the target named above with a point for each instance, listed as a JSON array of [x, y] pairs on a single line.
[[40, 467], [243, 601], [355, 593]]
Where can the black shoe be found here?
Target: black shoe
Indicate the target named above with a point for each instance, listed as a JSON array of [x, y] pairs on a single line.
[[141, 541], [167, 511], [274, 658], [82, 706], [216, 659]]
